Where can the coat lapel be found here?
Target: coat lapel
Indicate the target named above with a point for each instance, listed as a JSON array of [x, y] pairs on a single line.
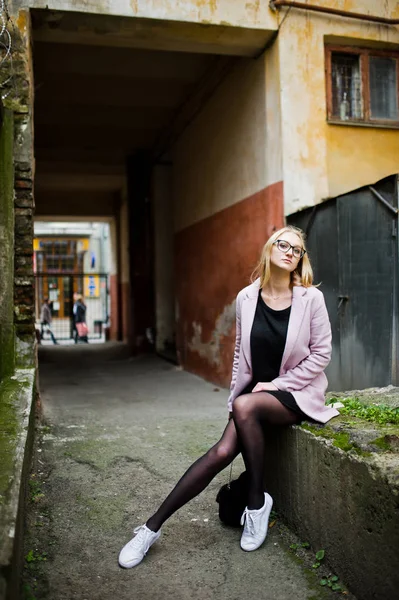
[[298, 307], [247, 319], [299, 302]]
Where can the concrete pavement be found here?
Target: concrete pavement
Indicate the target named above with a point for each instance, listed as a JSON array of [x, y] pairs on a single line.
[[116, 435]]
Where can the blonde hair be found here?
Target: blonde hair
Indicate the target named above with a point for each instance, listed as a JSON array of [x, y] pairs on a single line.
[[303, 274]]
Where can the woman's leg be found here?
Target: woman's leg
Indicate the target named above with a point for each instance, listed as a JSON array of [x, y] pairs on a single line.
[[250, 413], [198, 476]]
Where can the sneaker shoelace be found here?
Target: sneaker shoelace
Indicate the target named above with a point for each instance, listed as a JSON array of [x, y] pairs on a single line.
[[248, 520], [140, 537]]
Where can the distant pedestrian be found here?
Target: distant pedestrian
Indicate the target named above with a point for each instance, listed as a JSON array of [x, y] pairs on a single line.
[[283, 345], [46, 320], [79, 320]]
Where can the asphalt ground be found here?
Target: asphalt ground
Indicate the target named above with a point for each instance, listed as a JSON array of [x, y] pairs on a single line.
[[115, 435]]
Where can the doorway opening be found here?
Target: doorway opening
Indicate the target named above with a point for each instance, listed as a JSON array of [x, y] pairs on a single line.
[[72, 265]]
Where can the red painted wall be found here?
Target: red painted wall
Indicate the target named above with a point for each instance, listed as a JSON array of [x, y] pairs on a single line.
[[114, 307], [214, 259], [124, 290]]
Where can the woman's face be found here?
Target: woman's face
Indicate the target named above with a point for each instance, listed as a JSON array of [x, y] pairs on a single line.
[[286, 260]]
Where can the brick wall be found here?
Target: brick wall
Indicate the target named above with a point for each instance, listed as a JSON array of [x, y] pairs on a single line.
[[20, 102], [24, 289]]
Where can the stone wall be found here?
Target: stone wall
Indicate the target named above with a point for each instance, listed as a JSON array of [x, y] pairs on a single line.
[[20, 102], [337, 486], [17, 332], [24, 290], [6, 245]]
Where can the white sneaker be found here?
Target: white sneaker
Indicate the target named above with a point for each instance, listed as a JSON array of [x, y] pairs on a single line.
[[133, 553], [255, 523]]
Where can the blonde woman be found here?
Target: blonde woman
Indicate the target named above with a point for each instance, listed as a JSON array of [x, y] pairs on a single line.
[[283, 345]]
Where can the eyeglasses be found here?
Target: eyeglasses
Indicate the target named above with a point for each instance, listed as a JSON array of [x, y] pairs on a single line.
[[284, 246]]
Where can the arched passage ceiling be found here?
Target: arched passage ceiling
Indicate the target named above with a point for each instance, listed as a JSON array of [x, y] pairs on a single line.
[[106, 87]]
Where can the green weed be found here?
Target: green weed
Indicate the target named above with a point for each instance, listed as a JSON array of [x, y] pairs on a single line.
[[331, 582], [376, 413], [28, 593], [35, 491], [31, 557], [319, 557]]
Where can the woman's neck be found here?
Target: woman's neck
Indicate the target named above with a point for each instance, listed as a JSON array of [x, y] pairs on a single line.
[[278, 285]]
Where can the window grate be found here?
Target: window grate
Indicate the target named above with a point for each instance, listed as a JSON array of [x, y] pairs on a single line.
[[346, 86], [383, 88], [362, 86]]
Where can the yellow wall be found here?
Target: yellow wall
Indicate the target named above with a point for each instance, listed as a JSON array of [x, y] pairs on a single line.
[[251, 13], [359, 156], [273, 141], [322, 160]]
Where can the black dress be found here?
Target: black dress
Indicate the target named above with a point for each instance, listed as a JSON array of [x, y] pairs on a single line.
[[268, 337]]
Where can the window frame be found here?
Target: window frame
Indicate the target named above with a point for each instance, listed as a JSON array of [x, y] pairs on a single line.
[[364, 58]]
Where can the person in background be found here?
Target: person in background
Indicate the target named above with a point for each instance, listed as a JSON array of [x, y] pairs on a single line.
[[46, 319], [79, 320]]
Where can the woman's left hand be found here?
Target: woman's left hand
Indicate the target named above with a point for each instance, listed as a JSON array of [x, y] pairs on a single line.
[[264, 387]]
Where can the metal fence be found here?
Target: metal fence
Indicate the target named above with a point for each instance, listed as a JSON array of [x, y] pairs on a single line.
[[60, 290]]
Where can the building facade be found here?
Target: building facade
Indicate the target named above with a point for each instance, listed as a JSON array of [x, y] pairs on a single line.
[[196, 129]]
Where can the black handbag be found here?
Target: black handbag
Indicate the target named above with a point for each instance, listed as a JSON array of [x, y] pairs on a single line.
[[232, 498]]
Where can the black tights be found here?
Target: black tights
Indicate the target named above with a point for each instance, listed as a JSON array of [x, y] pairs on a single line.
[[244, 433]]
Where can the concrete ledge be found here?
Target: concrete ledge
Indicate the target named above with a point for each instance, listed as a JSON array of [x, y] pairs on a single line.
[[16, 433], [338, 487]]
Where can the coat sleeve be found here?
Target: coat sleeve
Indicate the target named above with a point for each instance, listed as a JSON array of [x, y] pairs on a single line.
[[237, 345], [320, 353]]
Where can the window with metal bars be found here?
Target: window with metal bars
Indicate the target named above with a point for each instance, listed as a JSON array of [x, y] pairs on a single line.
[[362, 86], [59, 256]]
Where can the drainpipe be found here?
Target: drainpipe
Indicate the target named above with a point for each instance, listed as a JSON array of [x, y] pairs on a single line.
[[274, 4]]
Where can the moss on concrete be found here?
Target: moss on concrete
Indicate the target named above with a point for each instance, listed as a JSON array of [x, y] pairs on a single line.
[[25, 352], [102, 511], [387, 443], [340, 439], [12, 415], [9, 425], [382, 443], [361, 429], [96, 453], [7, 349]]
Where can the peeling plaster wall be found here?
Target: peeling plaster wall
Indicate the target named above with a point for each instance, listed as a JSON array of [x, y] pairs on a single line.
[[221, 157], [322, 160], [214, 259], [235, 13], [227, 199], [211, 349], [273, 150]]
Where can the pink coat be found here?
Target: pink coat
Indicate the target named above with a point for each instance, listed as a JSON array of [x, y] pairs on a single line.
[[306, 354]]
